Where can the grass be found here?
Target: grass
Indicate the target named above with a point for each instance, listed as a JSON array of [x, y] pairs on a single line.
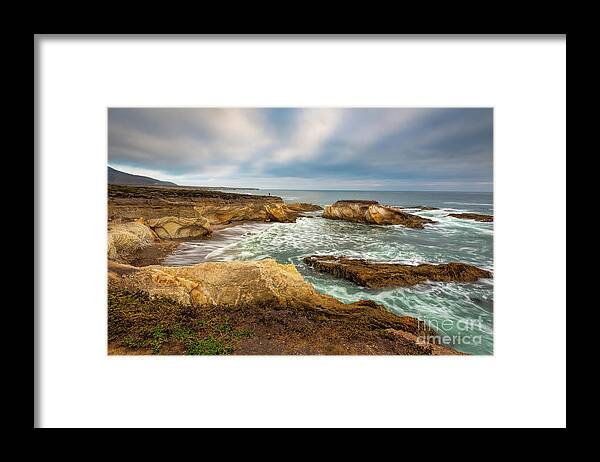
[[159, 336], [156, 325], [208, 346]]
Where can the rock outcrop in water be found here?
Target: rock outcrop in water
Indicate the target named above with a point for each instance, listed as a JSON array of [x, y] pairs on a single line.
[[371, 212], [473, 216], [206, 308], [378, 275]]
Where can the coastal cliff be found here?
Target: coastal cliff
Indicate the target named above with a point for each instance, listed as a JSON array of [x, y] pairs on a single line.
[[134, 202]]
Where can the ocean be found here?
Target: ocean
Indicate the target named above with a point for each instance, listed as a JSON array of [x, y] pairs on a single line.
[[461, 311]]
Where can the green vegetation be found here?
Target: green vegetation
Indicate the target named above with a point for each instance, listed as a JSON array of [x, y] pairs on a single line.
[[159, 336], [208, 346], [156, 325]]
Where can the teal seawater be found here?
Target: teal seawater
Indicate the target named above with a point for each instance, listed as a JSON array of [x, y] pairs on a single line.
[[462, 311]]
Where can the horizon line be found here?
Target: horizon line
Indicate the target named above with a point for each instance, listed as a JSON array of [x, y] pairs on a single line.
[[343, 190]]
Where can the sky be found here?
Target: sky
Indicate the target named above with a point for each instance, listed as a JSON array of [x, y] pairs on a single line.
[[388, 149]]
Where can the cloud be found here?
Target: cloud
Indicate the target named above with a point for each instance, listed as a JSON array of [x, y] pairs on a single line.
[[312, 127], [367, 126], [385, 148], [185, 140]]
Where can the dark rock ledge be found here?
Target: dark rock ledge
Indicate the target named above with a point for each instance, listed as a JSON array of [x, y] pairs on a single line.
[[473, 216], [378, 275]]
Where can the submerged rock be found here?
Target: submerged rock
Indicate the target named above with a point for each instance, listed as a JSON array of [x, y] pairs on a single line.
[[372, 212], [473, 216], [286, 314], [177, 228], [378, 275]]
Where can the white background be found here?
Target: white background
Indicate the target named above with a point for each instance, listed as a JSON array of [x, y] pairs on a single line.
[[523, 384]]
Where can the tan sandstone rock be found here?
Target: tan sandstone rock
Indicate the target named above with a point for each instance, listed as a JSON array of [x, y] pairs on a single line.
[[225, 284], [280, 213], [131, 202], [177, 227], [126, 239], [372, 212]]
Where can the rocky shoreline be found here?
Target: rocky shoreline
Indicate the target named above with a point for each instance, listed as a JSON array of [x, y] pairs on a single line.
[[145, 222], [150, 202], [258, 307], [253, 307]]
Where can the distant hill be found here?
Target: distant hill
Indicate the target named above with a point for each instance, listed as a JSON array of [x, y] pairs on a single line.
[[118, 177]]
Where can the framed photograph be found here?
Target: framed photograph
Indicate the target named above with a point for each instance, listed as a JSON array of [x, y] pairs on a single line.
[[312, 231], [245, 231]]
